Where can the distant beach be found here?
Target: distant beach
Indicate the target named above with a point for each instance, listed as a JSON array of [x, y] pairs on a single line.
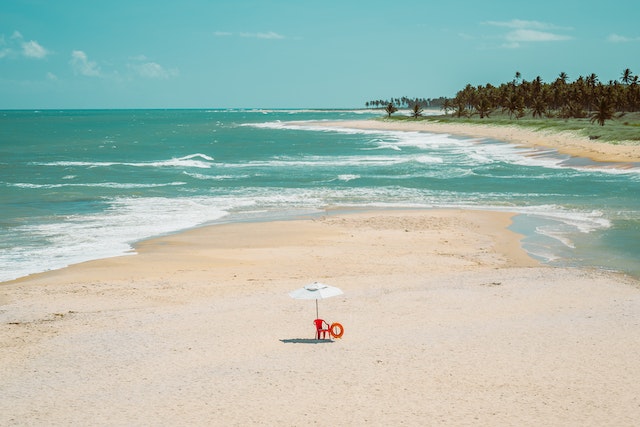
[[564, 142]]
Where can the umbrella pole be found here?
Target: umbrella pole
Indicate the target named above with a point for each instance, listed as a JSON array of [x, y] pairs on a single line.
[[317, 309]]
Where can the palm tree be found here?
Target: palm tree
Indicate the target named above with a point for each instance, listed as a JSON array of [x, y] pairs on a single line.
[[514, 104], [563, 77], [633, 94], [561, 98], [446, 106], [604, 111], [390, 109], [483, 107], [416, 110], [539, 107], [460, 107], [517, 77]]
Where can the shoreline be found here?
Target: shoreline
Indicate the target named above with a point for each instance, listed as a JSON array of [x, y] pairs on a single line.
[[442, 307], [563, 142], [507, 241]]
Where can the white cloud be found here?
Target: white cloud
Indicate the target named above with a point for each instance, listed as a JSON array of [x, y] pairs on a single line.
[[617, 38], [511, 45], [30, 49], [153, 70], [4, 51], [522, 31], [520, 24], [81, 64], [52, 77], [268, 35], [33, 49], [526, 35]]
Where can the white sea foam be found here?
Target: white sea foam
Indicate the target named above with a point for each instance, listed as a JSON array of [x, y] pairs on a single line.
[[480, 149], [348, 177], [110, 233], [320, 161], [214, 177], [547, 158], [581, 221], [197, 156], [383, 145], [428, 159], [555, 233], [120, 185], [190, 161]]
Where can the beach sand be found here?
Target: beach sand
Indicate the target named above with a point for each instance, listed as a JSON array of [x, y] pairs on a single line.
[[564, 142], [447, 322]]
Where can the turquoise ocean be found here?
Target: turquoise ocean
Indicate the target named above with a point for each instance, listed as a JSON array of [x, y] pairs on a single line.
[[82, 185]]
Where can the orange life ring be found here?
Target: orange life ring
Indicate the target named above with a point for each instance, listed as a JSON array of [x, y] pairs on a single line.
[[339, 332]]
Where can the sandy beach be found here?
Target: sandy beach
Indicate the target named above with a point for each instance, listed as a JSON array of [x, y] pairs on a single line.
[[563, 142], [447, 322]]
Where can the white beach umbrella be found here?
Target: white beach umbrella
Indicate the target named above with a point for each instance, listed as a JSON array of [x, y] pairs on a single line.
[[316, 291]]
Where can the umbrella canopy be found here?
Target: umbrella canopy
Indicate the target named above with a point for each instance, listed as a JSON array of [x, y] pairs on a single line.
[[316, 291]]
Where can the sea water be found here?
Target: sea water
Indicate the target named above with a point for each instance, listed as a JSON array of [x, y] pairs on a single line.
[[82, 185]]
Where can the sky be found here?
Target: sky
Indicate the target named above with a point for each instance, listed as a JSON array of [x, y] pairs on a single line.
[[68, 54]]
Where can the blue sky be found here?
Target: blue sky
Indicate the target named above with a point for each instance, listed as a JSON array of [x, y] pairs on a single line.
[[297, 53]]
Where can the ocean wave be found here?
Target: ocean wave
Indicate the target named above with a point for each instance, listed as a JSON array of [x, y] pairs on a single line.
[[215, 177], [119, 185], [335, 161], [428, 159], [557, 234], [380, 144], [320, 161], [482, 150], [190, 161], [111, 232], [583, 221], [308, 125]]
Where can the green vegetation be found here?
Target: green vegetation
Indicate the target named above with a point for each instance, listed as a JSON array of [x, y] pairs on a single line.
[[390, 109], [416, 111], [583, 106]]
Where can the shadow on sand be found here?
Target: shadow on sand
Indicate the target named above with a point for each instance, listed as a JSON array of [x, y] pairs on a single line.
[[306, 341]]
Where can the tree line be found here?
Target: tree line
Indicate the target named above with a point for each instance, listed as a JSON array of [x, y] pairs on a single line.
[[406, 102], [585, 97]]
